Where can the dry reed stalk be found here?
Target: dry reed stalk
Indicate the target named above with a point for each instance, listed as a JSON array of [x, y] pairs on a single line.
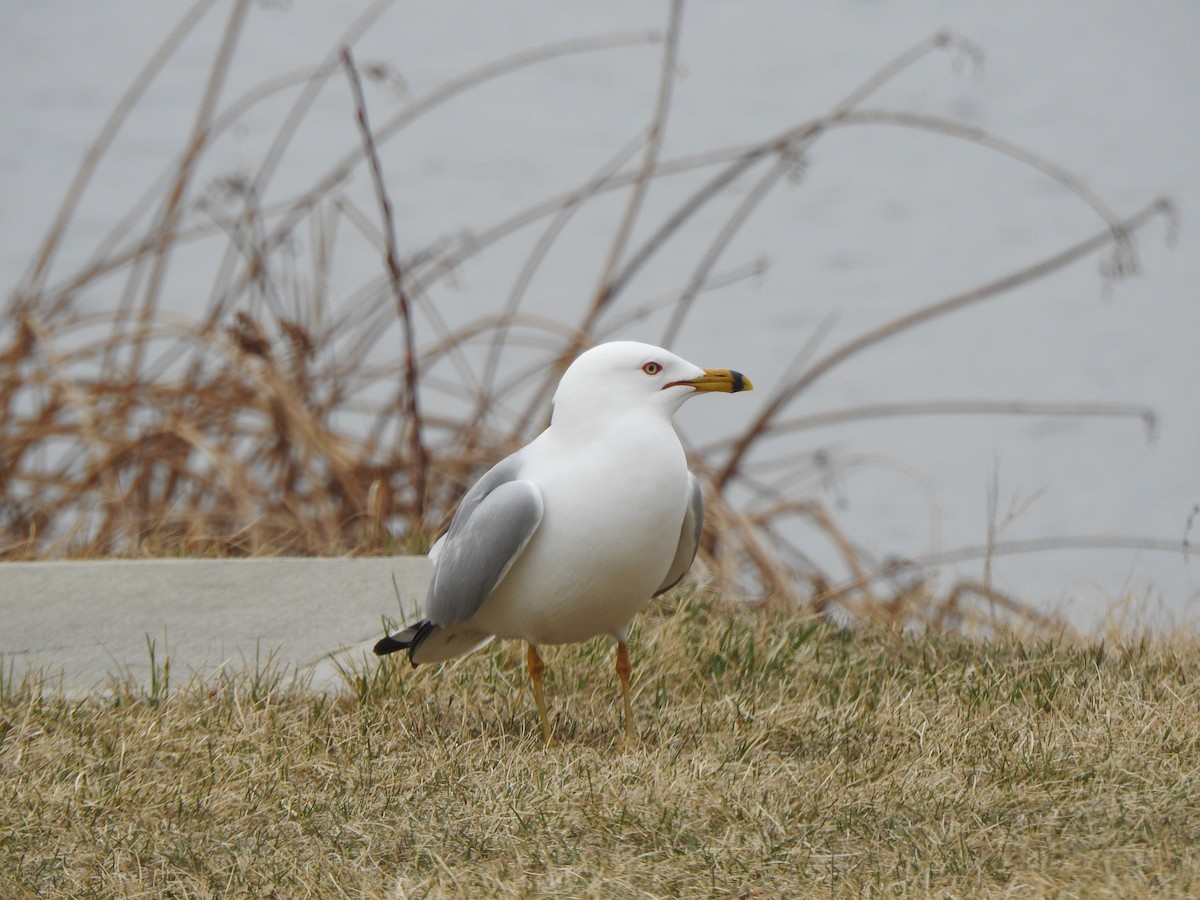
[[604, 294], [300, 206], [1145, 414], [168, 219], [1040, 269], [789, 148], [34, 281], [509, 315], [654, 139], [411, 400]]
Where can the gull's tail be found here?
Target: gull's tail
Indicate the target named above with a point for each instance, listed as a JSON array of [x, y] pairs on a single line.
[[429, 643]]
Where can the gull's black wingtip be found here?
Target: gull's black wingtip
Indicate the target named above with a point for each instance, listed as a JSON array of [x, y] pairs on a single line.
[[408, 639], [388, 645]]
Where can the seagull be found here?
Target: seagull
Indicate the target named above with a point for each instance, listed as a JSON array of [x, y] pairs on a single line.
[[570, 536]]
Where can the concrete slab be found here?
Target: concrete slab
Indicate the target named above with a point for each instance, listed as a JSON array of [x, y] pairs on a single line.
[[84, 624]]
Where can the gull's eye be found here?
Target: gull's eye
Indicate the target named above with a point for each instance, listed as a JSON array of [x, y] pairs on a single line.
[[651, 368]]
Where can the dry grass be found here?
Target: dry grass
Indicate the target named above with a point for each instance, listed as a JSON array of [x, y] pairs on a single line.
[[779, 757]]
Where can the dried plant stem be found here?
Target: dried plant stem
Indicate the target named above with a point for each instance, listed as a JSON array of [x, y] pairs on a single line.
[[488, 237], [950, 128], [57, 376], [1054, 544], [34, 281], [413, 425], [604, 293], [968, 407], [790, 156], [172, 210], [314, 83], [533, 263], [299, 206], [789, 392], [724, 236], [792, 142], [658, 127], [715, 282]]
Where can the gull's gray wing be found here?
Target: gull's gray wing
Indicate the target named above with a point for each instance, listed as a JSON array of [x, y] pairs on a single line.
[[494, 522], [689, 537]]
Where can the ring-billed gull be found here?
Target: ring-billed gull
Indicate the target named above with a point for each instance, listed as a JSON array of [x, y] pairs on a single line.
[[569, 537]]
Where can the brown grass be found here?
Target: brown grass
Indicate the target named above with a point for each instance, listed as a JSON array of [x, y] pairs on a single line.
[[275, 421], [778, 756]]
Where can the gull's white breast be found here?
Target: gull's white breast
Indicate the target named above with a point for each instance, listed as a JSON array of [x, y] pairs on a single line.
[[614, 506]]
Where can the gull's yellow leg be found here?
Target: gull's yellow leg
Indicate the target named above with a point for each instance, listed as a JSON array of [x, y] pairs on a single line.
[[623, 671], [536, 668]]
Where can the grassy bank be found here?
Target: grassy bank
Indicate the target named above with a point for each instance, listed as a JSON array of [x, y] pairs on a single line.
[[778, 756]]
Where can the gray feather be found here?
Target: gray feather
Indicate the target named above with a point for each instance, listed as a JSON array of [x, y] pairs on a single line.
[[492, 526], [689, 538]]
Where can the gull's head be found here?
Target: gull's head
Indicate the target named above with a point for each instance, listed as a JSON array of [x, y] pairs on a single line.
[[626, 374]]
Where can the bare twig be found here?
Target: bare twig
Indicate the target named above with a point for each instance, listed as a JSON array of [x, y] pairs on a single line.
[[790, 143], [314, 82], [727, 233], [534, 260], [951, 128], [415, 438], [34, 280], [338, 174], [1054, 544], [787, 393], [970, 408], [658, 127], [172, 209]]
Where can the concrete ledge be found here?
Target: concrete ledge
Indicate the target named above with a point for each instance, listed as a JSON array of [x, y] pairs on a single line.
[[82, 624]]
